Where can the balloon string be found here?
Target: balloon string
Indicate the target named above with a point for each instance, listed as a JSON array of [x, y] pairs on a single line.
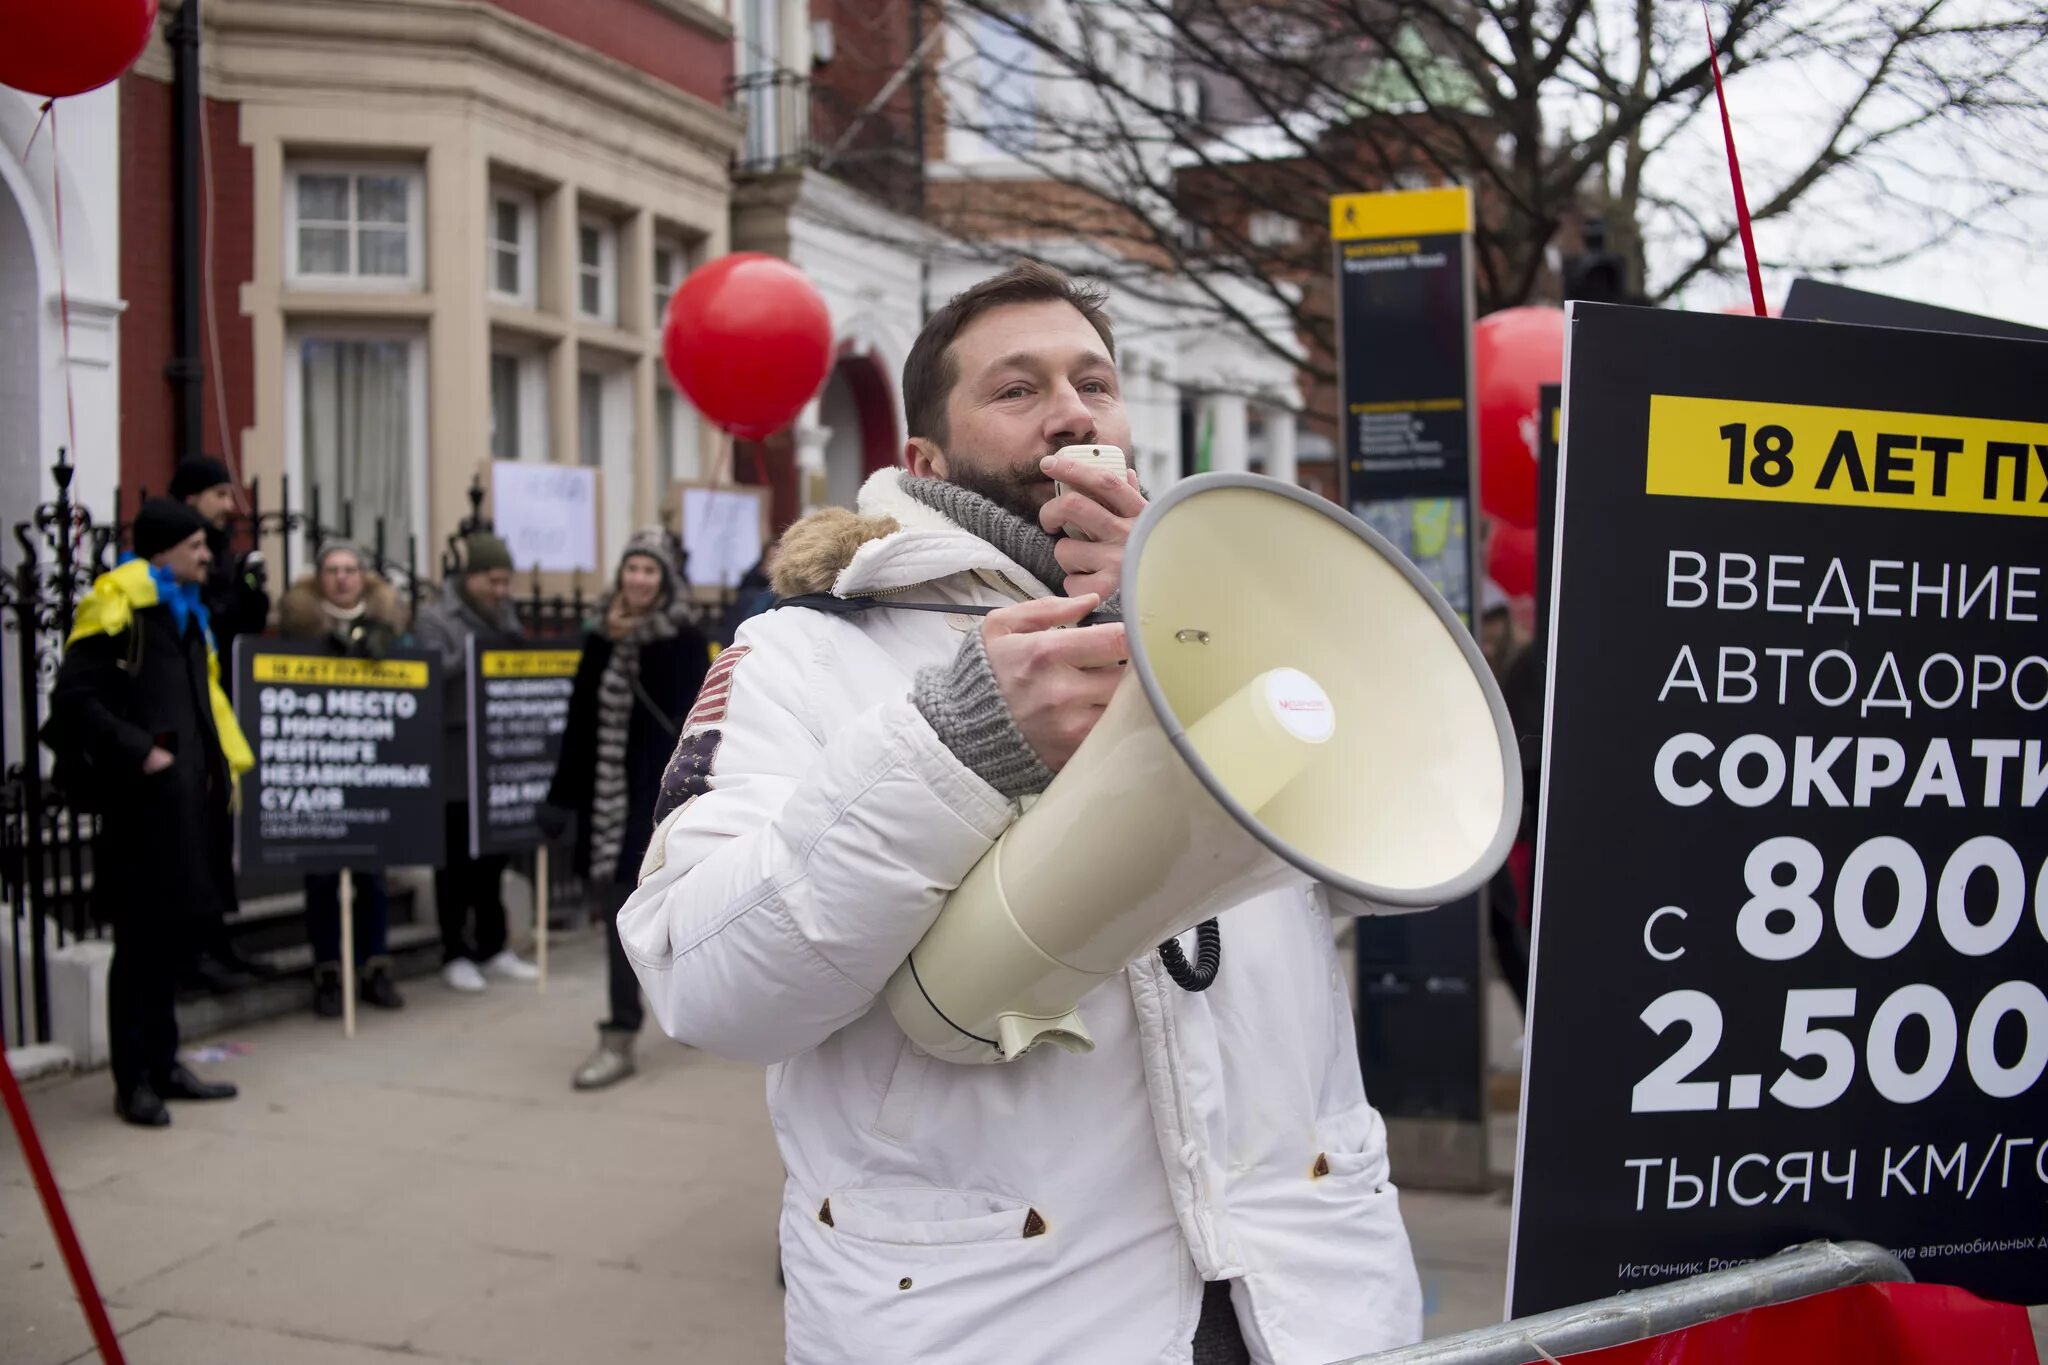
[[1756, 279]]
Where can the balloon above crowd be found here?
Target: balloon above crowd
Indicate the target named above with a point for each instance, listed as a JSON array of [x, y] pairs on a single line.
[[748, 340], [67, 47], [1515, 352]]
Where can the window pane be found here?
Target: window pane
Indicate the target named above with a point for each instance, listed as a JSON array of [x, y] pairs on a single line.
[[1008, 80], [323, 251], [504, 407], [664, 268], [505, 213], [590, 289], [590, 418], [506, 277], [381, 199], [356, 422], [380, 251], [590, 247], [323, 198]]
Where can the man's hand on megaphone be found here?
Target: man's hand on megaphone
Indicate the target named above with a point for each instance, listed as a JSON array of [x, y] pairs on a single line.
[[1102, 505], [1054, 682]]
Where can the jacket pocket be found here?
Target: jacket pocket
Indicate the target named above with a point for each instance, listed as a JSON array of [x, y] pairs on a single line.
[[1353, 1145], [921, 1216]]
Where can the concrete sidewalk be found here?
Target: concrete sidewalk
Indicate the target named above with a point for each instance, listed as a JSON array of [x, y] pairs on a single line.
[[434, 1192]]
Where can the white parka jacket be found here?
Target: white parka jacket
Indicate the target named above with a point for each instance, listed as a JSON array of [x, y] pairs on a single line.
[[1058, 1208]]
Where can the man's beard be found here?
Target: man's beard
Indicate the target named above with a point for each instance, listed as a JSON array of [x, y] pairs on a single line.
[[1015, 491]]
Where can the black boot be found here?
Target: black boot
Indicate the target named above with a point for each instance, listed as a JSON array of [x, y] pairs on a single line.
[[141, 1106], [327, 990], [180, 1084], [377, 988]]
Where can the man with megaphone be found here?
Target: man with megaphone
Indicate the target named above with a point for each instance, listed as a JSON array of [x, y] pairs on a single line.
[[1184, 1176]]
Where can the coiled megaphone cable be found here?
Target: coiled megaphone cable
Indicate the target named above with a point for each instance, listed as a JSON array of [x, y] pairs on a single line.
[[1208, 957]]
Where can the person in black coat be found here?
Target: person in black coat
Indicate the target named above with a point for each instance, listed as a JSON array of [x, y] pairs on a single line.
[[237, 598], [237, 588], [642, 664], [142, 731]]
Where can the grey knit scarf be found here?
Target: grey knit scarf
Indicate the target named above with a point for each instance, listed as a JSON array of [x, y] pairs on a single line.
[[1021, 540], [615, 699]]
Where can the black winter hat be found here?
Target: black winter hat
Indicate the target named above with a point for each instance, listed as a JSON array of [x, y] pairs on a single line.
[[198, 474], [163, 523]]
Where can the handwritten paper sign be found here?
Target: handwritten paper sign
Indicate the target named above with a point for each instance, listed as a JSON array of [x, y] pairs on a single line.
[[722, 533], [546, 514]]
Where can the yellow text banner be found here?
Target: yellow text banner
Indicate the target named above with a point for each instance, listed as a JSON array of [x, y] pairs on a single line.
[[1845, 457], [531, 663], [309, 670]]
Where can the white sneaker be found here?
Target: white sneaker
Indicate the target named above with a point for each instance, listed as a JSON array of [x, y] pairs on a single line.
[[511, 966], [462, 975]]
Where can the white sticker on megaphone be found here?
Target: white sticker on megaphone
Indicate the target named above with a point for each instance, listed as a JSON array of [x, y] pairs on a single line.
[[1300, 704]]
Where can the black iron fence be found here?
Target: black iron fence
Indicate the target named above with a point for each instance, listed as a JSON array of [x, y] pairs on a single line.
[[46, 847]]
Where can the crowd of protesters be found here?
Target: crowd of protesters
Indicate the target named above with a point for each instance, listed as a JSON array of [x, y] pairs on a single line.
[[143, 732]]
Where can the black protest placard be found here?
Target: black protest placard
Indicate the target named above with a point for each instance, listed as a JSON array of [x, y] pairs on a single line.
[[518, 707], [1792, 917], [346, 751]]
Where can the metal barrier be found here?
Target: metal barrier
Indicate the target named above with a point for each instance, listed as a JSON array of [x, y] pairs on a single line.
[[1811, 1268]]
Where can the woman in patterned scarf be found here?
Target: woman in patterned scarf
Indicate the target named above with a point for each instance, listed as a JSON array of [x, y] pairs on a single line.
[[642, 664]]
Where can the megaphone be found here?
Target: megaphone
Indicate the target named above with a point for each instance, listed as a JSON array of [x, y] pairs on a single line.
[[1299, 703]]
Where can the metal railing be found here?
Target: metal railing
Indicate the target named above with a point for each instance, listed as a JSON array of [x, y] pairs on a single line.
[[1811, 1268], [795, 123]]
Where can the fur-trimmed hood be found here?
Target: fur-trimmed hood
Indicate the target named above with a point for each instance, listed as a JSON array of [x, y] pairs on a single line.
[[890, 541], [299, 615]]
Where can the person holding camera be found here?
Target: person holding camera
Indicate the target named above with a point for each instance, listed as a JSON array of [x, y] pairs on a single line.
[[1209, 1183], [357, 615], [642, 663], [143, 733]]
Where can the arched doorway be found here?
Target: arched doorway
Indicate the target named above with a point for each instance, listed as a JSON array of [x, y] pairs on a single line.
[[858, 406], [21, 443]]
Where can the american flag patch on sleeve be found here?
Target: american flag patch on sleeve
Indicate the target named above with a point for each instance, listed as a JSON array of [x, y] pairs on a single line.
[[716, 692]]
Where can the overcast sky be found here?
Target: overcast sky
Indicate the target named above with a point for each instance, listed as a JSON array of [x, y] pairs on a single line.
[[1782, 114]]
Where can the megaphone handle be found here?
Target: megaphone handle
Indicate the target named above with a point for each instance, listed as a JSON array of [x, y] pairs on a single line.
[[1208, 957]]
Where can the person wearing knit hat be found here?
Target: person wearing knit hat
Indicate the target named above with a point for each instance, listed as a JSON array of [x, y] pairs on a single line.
[[237, 588], [643, 661], [483, 552], [143, 732], [475, 603], [162, 524]]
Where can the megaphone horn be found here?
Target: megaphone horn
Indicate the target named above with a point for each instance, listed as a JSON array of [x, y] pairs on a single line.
[[1300, 704]]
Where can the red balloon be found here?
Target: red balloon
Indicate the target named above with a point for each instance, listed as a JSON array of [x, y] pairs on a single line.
[[1514, 352], [748, 340], [67, 47], [1511, 559]]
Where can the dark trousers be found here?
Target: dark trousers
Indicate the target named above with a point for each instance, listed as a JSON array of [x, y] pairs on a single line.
[[466, 896], [1510, 935], [323, 917], [150, 953], [622, 986]]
